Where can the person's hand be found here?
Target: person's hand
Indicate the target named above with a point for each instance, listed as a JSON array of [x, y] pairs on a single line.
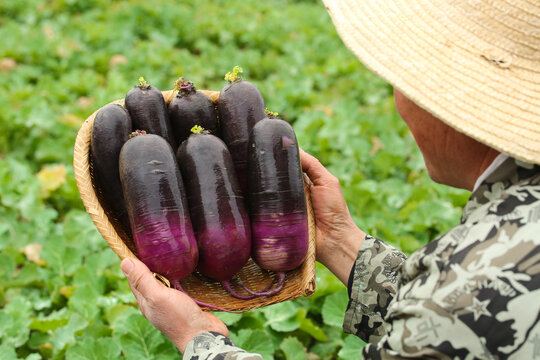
[[338, 237], [172, 312]]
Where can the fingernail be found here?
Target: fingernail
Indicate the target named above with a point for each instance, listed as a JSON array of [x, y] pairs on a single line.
[[126, 266]]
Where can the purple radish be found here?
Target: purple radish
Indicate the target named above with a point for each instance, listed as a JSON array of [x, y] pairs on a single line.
[[148, 111], [157, 208], [110, 131], [278, 210], [189, 108], [240, 107], [220, 220]]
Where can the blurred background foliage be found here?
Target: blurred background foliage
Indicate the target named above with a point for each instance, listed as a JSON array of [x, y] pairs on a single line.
[[62, 294]]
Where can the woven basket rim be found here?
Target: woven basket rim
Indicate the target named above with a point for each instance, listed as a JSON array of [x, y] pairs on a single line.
[[89, 197]]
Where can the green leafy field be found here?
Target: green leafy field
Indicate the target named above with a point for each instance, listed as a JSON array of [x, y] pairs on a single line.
[[62, 293]]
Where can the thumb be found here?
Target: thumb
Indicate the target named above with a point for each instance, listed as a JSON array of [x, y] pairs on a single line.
[[140, 278], [316, 172]]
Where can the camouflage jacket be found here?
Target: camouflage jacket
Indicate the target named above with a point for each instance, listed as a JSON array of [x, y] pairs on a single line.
[[473, 293]]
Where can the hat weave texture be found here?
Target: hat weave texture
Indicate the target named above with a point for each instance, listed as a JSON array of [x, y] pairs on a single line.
[[474, 64]]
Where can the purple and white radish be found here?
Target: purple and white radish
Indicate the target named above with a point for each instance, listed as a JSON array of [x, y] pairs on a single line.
[[278, 210], [217, 209], [157, 208]]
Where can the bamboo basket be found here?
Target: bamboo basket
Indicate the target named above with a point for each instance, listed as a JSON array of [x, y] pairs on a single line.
[[299, 282]]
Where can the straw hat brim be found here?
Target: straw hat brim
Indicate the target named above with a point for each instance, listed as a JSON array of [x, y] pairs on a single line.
[[473, 64]]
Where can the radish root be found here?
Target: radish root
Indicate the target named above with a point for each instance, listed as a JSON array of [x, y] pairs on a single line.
[[176, 284]]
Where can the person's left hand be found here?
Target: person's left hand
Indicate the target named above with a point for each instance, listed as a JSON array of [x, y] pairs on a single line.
[[172, 312]]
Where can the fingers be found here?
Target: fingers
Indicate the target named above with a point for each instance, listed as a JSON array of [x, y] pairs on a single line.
[[140, 278], [316, 172]]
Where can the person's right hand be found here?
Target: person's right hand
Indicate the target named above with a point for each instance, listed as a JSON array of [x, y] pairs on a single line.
[[338, 237], [171, 311]]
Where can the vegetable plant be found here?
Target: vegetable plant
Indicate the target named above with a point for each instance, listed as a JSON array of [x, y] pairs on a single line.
[[217, 207]]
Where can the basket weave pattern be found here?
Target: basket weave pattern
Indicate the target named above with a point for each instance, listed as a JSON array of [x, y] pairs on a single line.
[[299, 282]]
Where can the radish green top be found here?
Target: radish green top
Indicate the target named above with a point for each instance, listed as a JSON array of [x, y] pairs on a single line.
[[142, 83], [137, 133], [197, 129], [234, 75], [184, 87], [271, 114]]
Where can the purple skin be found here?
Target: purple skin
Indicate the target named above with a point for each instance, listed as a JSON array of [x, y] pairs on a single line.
[[217, 209], [157, 207], [189, 108], [148, 111], [273, 233], [240, 107], [278, 210], [111, 129]]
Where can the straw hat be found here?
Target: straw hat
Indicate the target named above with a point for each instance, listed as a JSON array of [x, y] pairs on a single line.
[[475, 64]]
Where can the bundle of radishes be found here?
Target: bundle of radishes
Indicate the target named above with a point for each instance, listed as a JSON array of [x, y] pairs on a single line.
[[203, 187]]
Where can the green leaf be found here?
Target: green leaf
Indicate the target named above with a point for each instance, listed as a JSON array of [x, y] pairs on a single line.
[[87, 275], [254, 341], [308, 326], [7, 267], [282, 316], [17, 313], [84, 301], [29, 274], [8, 352], [326, 282], [37, 339], [6, 322], [66, 334], [97, 330], [293, 349], [120, 312], [33, 357], [138, 338], [39, 299], [61, 258], [90, 349], [101, 260], [252, 320], [409, 244], [167, 351], [352, 348], [328, 349], [52, 321], [228, 318], [334, 307], [80, 232]]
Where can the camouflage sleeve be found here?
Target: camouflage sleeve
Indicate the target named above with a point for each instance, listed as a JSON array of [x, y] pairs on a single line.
[[215, 346], [423, 329], [374, 281]]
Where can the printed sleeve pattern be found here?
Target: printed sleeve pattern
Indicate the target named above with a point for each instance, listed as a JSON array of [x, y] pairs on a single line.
[[374, 282], [215, 346], [473, 293]]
